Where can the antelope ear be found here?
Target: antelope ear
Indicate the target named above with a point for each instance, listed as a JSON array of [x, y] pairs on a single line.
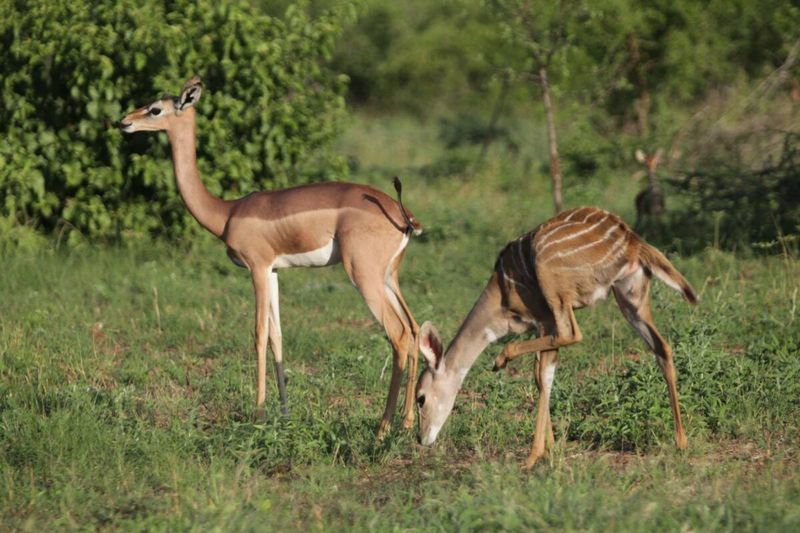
[[431, 347], [191, 92], [657, 156], [640, 156]]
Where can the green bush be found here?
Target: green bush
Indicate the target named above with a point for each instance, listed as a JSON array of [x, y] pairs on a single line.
[[69, 69], [741, 197]]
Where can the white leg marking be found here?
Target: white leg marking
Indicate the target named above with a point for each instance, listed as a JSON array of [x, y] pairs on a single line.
[[387, 281], [275, 315], [549, 374]]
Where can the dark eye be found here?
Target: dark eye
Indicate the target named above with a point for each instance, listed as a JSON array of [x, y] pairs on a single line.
[[155, 111], [421, 400]]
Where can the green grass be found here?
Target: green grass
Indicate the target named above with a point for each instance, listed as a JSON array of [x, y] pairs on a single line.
[[127, 390]]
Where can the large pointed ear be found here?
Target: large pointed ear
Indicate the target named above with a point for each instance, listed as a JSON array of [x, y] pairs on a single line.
[[657, 158], [431, 347], [191, 92]]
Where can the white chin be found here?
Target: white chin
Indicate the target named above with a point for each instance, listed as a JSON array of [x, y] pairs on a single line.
[[430, 437]]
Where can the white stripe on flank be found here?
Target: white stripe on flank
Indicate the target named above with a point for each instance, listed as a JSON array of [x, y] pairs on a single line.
[[615, 250], [574, 235], [506, 275], [610, 256], [544, 236], [574, 251], [523, 255], [578, 210], [568, 223], [521, 259]]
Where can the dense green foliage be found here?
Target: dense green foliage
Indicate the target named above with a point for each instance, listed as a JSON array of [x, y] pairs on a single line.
[[69, 69], [127, 394], [623, 75]]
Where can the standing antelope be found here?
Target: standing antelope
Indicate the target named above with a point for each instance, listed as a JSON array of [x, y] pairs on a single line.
[[568, 262], [312, 225], [650, 201]]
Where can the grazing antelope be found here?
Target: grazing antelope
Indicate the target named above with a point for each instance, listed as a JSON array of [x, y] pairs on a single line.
[[568, 262], [650, 201], [312, 225]]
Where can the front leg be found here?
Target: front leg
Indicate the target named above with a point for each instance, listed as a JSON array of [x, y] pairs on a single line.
[[545, 370], [276, 338], [261, 289], [567, 333], [512, 350]]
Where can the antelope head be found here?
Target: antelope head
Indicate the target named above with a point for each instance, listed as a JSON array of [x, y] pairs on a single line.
[[436, 388], [161, 114]]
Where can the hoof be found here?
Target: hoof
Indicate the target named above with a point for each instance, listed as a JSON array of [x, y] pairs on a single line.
[[383, 430], [531, 461], [499, 364]]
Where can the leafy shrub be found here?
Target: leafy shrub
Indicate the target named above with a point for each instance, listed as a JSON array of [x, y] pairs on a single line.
[[469, 128], [69, 69], [739, 198]]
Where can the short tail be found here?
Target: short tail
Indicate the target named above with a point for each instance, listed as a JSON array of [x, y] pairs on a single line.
[[412, 225], [660, 266]]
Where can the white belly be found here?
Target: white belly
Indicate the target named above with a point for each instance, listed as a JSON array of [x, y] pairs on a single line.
[[588, 300], [599, 293], [324, 256]]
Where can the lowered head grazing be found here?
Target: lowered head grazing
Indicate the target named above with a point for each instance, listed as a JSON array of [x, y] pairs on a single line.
[[436, 389]]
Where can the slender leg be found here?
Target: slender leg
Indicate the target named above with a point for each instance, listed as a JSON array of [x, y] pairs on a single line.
[[547, 369], [538, 376], [633, 299], [261, 288], [567, 333], [376, 296], [413, 353], [411, 383], [276, 339]]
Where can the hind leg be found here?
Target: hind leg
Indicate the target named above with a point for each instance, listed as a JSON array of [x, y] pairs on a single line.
[[632, 295], [413, 352], [383, 304]]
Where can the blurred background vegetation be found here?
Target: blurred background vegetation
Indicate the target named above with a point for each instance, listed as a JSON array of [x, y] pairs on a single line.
[[327, 89]]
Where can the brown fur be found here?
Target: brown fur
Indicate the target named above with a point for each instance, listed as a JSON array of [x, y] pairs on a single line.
[[568, 262]]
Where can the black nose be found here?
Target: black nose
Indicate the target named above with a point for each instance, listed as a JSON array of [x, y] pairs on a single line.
[[122, 125]]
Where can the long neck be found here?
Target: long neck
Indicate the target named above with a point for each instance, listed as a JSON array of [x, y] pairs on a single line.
[[211, 212], [651, 176], [482, 326]]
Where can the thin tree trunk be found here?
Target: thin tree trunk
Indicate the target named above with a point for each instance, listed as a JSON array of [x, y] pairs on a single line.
[[555, 167], [642, 102]]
